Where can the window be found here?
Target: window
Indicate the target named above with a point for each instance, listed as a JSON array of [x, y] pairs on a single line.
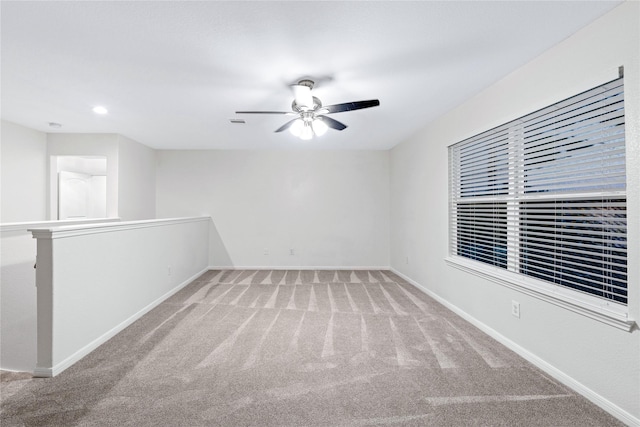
[[544, 196]]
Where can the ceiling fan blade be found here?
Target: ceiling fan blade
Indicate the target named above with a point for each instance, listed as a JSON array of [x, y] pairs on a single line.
[[332, 123], [350, 106], [303, 96], [267, 112], [285, 126]]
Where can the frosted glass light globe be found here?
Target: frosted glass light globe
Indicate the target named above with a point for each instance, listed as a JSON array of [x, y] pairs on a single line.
[[319, 127], [296, 128]]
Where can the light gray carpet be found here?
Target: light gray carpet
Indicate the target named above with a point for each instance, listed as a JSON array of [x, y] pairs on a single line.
[[299, 348]]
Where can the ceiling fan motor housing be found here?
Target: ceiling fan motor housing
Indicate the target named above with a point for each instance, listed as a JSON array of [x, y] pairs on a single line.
[[316, 105]]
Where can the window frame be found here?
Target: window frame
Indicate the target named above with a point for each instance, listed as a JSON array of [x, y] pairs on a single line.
[[607, 311]]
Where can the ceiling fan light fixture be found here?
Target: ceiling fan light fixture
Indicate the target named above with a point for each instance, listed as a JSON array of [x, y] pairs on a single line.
[[312, 117], [307, 132], [296, 128], [319, 127]]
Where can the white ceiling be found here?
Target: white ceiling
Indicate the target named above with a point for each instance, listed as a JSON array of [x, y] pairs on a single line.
[[172, 74]]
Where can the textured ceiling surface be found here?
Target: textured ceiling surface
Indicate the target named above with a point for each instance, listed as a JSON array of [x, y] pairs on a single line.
[[172, 74]]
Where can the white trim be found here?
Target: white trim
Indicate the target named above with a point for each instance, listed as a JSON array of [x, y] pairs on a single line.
[[75, 357], [556, 373], [82, 230], [43, 372], [610, 313], [296, 267], [24, 226]]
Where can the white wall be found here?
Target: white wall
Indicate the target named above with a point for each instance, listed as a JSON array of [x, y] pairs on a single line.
[[98, 196], [93, 281], [136, 181], [23, 188], [23, 177], [601, 359], [17, 301], [331, 207]]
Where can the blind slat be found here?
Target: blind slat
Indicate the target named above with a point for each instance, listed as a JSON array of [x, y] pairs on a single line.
[[607, 90]]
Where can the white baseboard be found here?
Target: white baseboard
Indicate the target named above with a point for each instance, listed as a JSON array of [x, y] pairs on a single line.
[[295, 267], [554, 372], [46, 372]]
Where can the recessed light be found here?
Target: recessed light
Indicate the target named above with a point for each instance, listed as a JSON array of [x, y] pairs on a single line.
[[100, 110], [55, 125]]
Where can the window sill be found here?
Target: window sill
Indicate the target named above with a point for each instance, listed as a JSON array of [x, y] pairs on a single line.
[[610, 313]]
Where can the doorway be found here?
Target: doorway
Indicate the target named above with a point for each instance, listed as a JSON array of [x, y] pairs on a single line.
[[81, 187]]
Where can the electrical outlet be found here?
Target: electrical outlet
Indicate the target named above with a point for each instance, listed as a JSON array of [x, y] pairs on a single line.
[[406, 260], [169, 271], [292, 251], [515, 309], [266, 251]]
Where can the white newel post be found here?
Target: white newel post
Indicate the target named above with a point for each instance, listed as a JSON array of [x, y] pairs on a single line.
[[45, 303]]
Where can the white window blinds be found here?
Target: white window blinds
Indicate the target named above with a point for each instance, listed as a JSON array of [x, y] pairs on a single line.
[[544, 195]]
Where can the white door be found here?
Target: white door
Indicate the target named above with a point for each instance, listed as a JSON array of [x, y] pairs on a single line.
[[73, 195]]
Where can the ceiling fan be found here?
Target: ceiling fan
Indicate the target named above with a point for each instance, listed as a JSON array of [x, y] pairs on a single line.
[[311, 115]]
